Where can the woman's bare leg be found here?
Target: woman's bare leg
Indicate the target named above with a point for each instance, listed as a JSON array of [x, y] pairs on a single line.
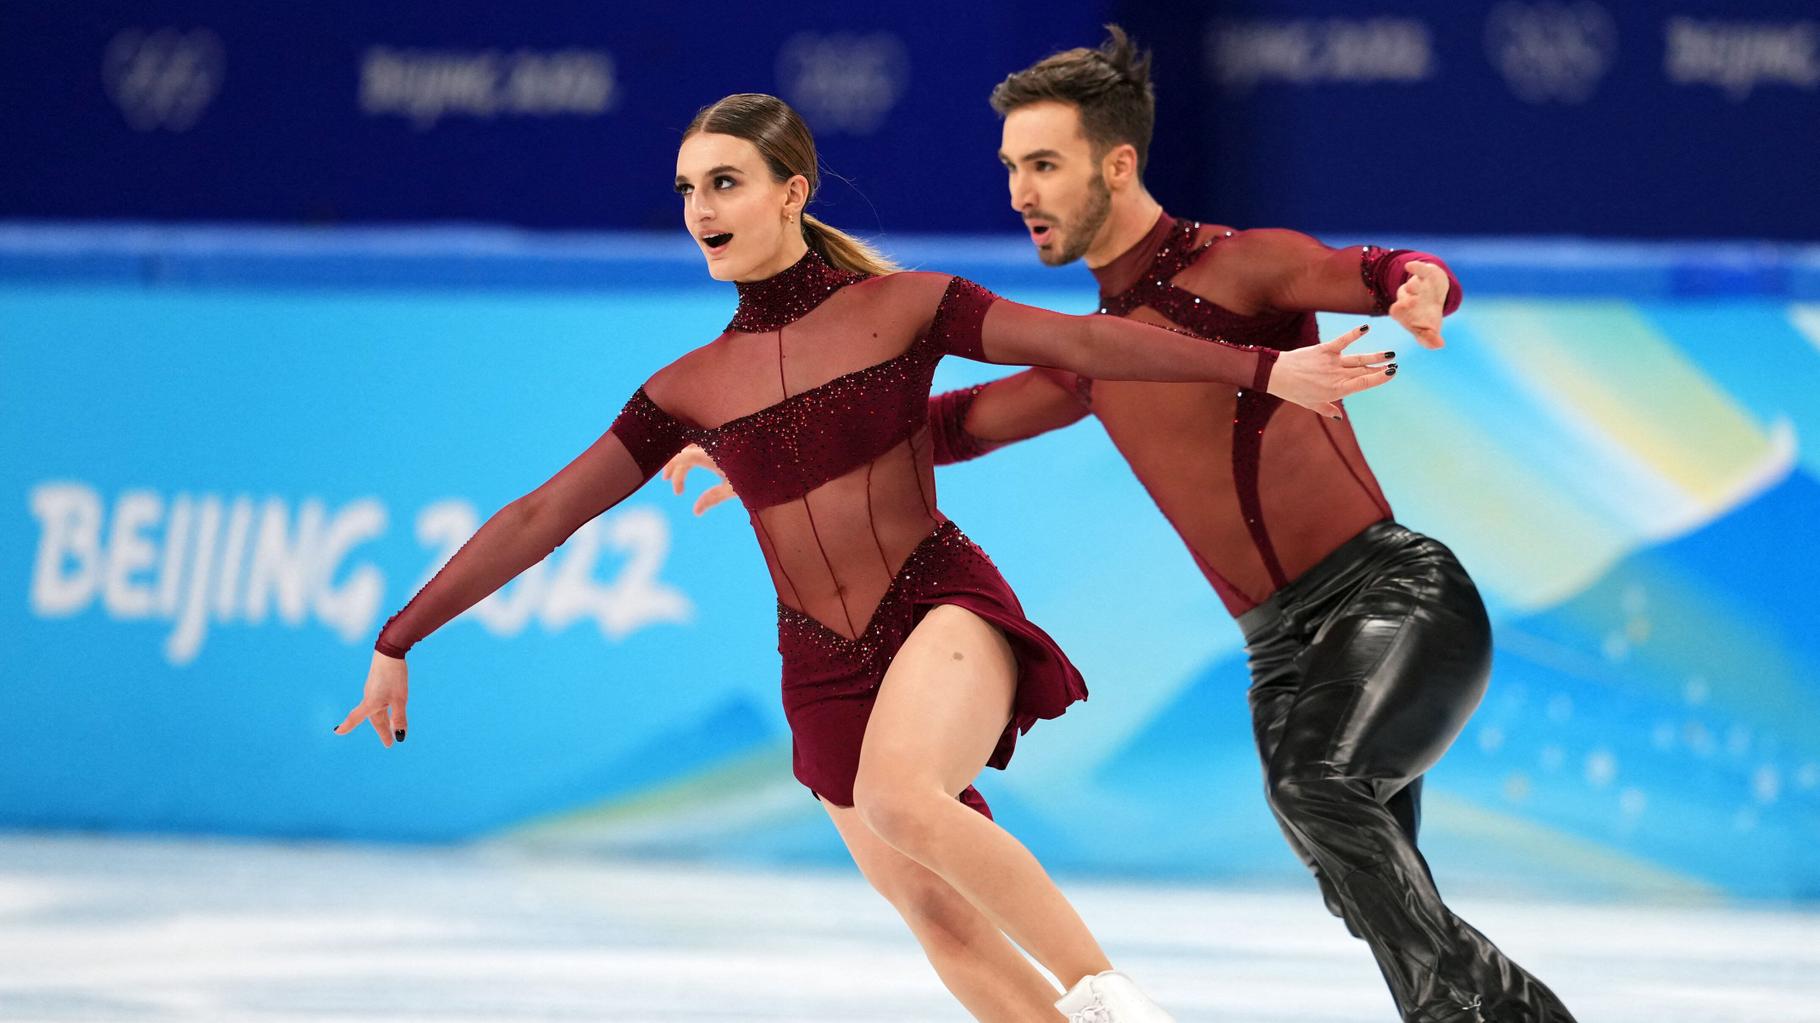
[[943, 704], [985, 972]]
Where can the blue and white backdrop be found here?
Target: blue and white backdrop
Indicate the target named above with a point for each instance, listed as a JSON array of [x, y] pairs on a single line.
[[226, 453], [230, 454]]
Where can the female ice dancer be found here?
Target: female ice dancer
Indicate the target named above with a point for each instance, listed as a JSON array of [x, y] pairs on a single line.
[[908, 664]]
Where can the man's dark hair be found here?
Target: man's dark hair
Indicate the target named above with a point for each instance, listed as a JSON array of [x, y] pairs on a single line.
[[1110, 86]]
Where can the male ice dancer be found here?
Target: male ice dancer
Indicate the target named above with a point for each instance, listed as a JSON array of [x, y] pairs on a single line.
[[1368, 643]]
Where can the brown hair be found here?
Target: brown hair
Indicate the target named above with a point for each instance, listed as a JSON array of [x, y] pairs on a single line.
[[784, 141], [1110, 86]]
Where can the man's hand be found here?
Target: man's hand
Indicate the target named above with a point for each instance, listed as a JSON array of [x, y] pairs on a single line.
[[1420, 301], [693, 457]]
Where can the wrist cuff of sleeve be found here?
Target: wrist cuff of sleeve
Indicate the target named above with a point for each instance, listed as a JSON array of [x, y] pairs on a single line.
[[386, 647], [948, 427], [1267, 361], [1385, 270]]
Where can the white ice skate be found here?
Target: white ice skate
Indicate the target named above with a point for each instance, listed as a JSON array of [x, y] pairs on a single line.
[[1110, 997]]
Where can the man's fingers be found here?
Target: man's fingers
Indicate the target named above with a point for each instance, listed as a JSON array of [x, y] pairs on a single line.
[[713, 496], [1431, 338], [676, 470]]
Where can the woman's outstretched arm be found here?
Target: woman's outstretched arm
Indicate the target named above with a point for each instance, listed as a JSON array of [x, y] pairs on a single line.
[[974, 323], [969, 422], [516, 537]]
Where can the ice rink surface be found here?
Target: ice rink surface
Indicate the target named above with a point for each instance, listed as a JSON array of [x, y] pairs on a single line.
[[143, 929]]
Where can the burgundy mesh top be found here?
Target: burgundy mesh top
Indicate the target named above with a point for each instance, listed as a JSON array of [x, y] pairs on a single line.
[[1260, 490], [813, 403]]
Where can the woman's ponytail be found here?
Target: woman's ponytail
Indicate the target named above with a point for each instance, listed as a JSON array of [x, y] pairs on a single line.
[[844, 251]]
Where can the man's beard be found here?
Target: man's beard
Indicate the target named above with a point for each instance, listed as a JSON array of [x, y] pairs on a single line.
[[1077, 235]]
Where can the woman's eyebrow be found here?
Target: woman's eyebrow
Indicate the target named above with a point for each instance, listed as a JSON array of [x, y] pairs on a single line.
[[682, 178]]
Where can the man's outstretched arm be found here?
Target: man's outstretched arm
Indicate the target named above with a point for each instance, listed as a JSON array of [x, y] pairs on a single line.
[[1287, 271], [963, 424], [969, 422]]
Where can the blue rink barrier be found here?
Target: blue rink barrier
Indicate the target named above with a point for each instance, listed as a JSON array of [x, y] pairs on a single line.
[[231, 453]]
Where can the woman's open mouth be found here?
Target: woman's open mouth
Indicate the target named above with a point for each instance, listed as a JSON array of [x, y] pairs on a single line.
[[716, 243]]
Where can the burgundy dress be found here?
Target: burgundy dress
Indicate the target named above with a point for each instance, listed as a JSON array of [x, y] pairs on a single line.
[[813, 402]]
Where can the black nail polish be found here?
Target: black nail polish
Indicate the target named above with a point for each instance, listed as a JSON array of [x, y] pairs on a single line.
[[1390, 355], [398, 735], [1390, 371], [1365, 328]]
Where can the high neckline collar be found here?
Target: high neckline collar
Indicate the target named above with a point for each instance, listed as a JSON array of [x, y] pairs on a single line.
[[788, 295], [1130, 265]]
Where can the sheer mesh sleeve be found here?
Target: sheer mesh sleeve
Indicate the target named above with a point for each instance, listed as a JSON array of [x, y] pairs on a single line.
[[650, 434], [1272, 269], [525, 532], [1113, 348], [948, 434], [968, 423], [959, 317], [1384, 271]]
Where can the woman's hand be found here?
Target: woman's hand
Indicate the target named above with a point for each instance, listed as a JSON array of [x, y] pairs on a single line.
[[1318, 376], [383, 703], [693, 457]]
